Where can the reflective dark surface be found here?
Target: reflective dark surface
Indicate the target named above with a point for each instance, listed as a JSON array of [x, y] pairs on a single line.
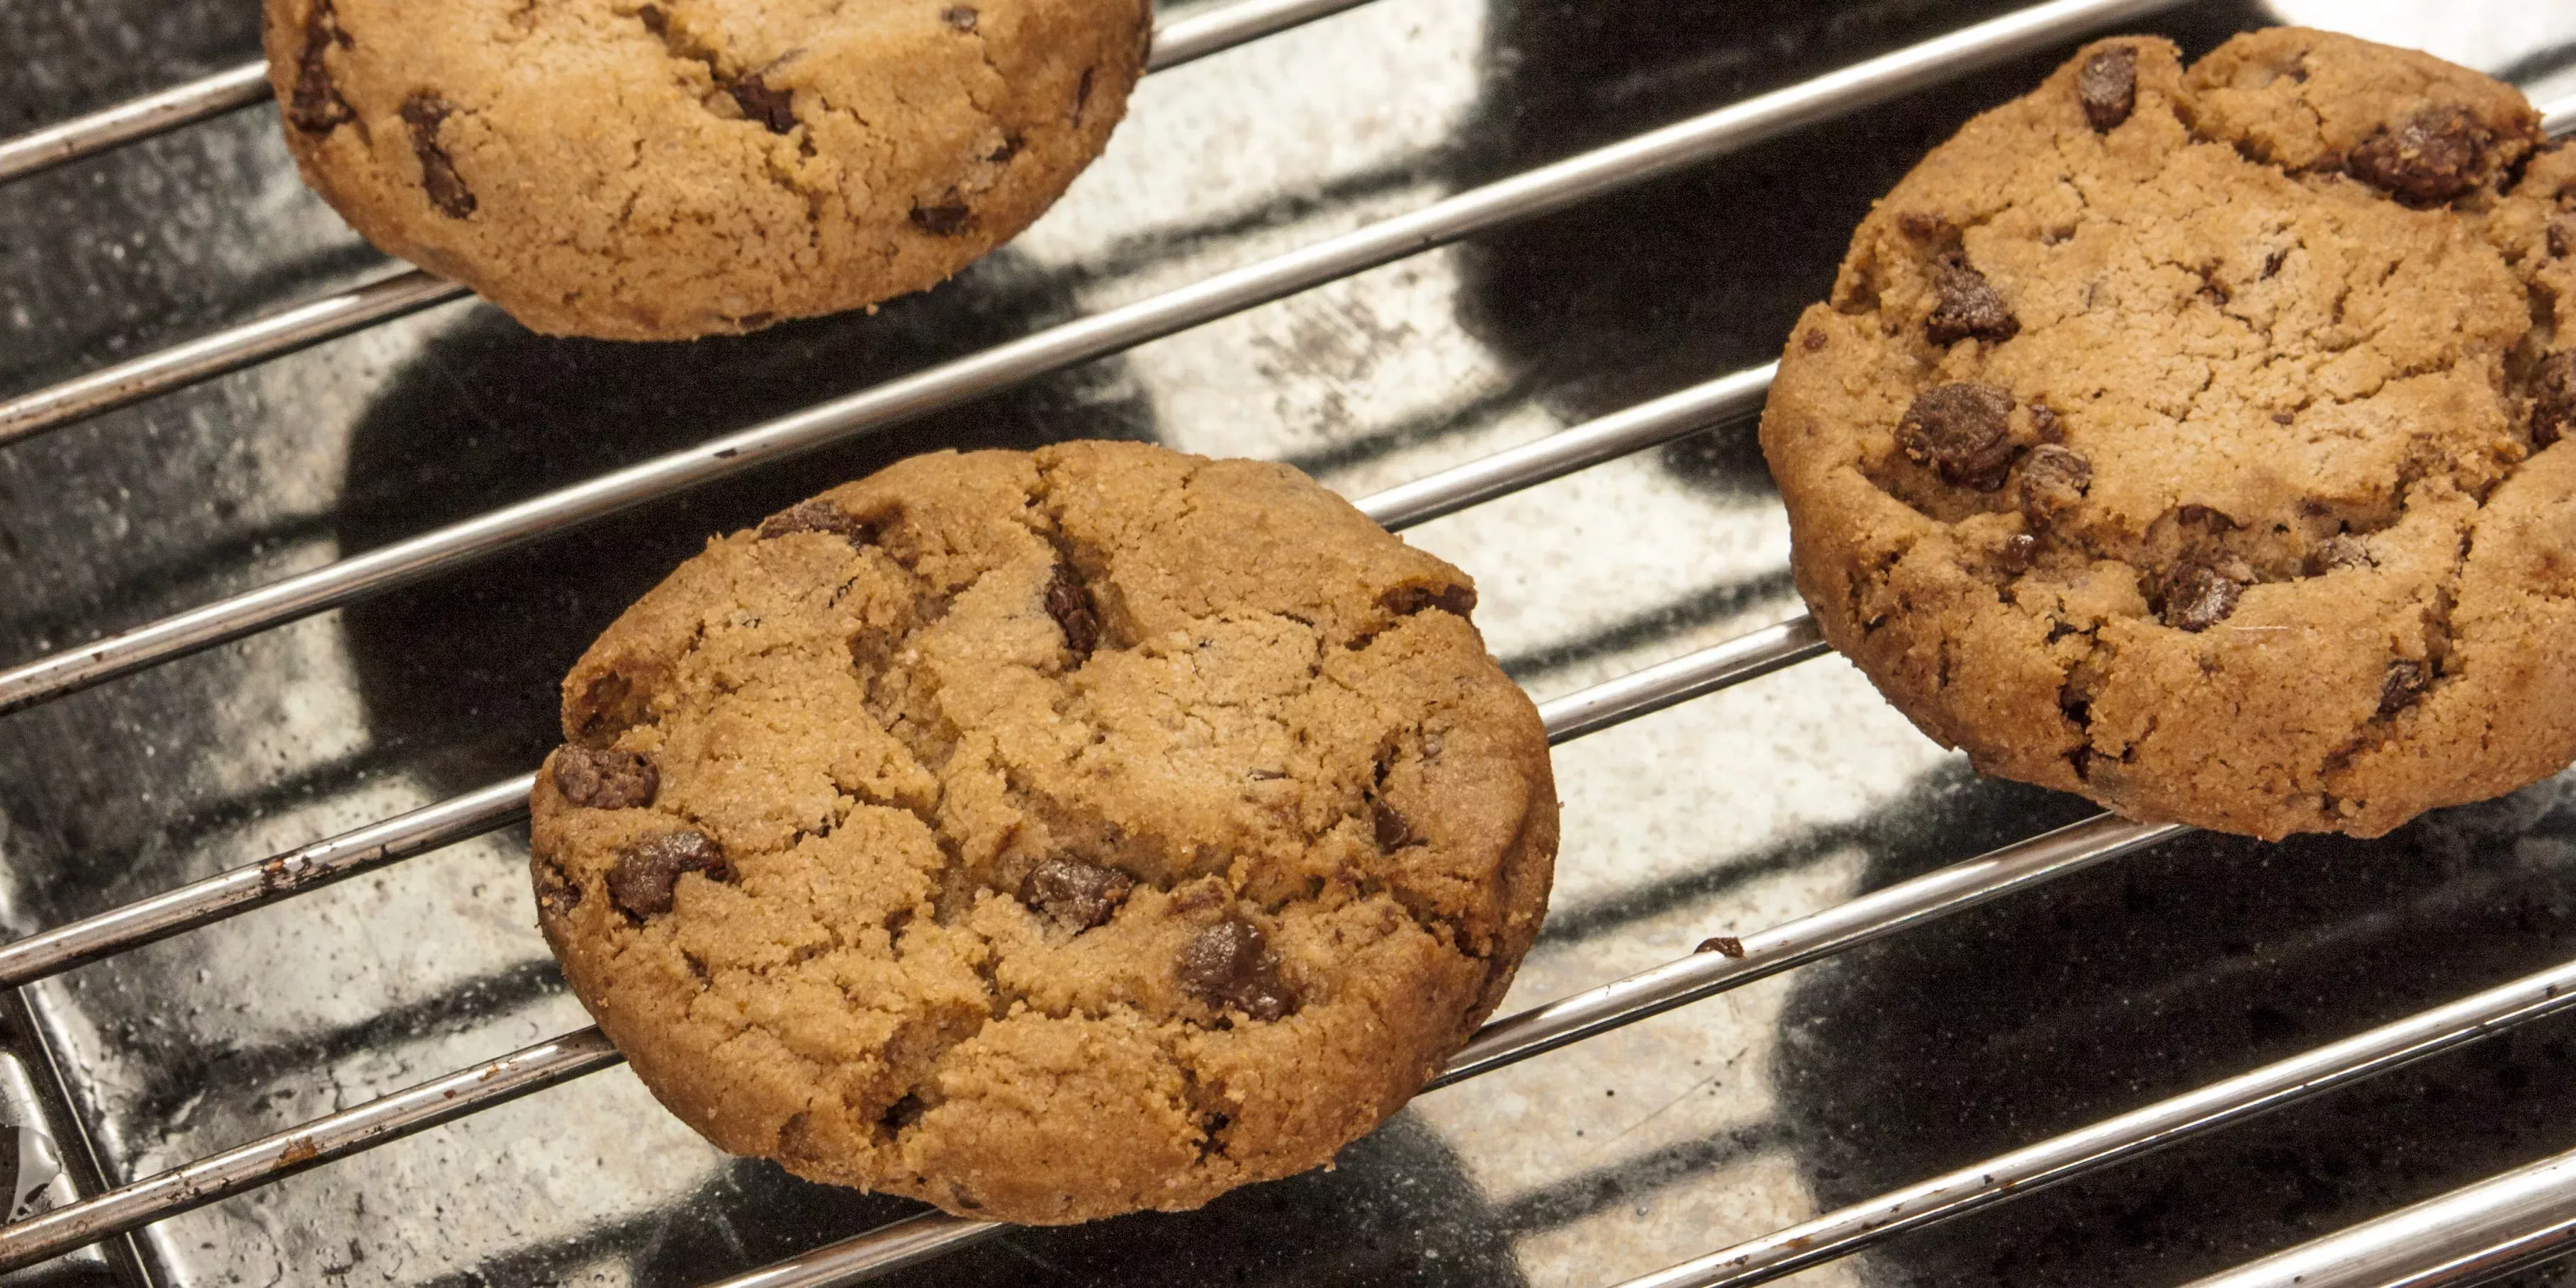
[[1609, 1159]]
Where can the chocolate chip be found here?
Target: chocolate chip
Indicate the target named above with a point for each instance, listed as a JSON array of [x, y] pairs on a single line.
[[2342, 550], [1068, 601], [2404, 682], [2020, 550], [1394, 830], [2427, 159], [1230, 965], [2553, 398], [424, 113], [1405, 601], [2045, 422], [1722, 945], [605, 779], [947, 218], [1812, 340], [1966, 305], [775, 108], [655, 21], [817, 516], [1924, 227], [557, 893], [2197, 597], [904, 1112], [2562, 238], [958, 16], [2053, 482], [610, 706], [1961, 430], [648, 871], [315, 106], [1074, 894], [1010, 147], [2107, 85]]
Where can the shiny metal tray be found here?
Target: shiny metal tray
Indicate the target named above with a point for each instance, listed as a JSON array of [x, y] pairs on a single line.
[[2113, 968]]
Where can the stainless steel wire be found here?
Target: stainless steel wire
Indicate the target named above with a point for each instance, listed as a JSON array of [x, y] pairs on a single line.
[[2126, 1136], [227, 90], [1532, 193], [1514, 1038], [2469, 1236], [404, 290], [484, 809]]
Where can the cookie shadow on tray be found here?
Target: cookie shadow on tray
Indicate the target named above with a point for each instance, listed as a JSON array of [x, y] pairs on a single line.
[[1636, 294], [2165, 971], [464, 670]]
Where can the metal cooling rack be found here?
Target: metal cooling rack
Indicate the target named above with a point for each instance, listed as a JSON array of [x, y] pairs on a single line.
[[2468, 1236]]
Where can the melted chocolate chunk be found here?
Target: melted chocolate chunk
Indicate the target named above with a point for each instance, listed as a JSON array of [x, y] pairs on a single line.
[[605, 779], [555, 891], [2197, 597], [2427, 159], [2107, 85], [775, 108], [648, 871], [817, 516], [1405, 601], [424, 113], [1069, 603], [1961, 430], [2404, 683], [2053, 482], [959, 16], [610, 706], [315, 106], [1073, 894], [1394, 830], [2553, 398], [1230, 965], [947, 218], [1966, 305], [904, 1112]]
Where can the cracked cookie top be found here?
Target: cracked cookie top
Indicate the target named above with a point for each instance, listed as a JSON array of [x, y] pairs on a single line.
[[661, 170], [1046, 836], [2191, 439]]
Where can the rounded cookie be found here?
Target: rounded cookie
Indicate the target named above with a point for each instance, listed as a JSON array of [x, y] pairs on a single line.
[[650, 171], [1046, 836], [2192, 439]]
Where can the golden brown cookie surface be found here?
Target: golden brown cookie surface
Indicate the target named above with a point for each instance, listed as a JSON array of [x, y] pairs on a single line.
[[1046, 835], [2191, 439], [687, 167]]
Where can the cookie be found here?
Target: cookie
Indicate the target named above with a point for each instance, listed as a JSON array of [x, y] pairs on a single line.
[[654, 171], [2194, 439], [1046, 836]]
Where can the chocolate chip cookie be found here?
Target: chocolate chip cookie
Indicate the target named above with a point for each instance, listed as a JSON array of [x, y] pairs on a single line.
[[2192, 439], [650, 171], [1046, 836]]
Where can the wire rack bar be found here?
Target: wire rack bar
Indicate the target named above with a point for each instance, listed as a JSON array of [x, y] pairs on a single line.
[[285, 1153], [2468, 1236], [1649, 424], [241, 889], [2126, 1136], [1530, 194], [1725, 964], [275, 335], [409, 290], [141, 118], [484, 809], [1703, 974]]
